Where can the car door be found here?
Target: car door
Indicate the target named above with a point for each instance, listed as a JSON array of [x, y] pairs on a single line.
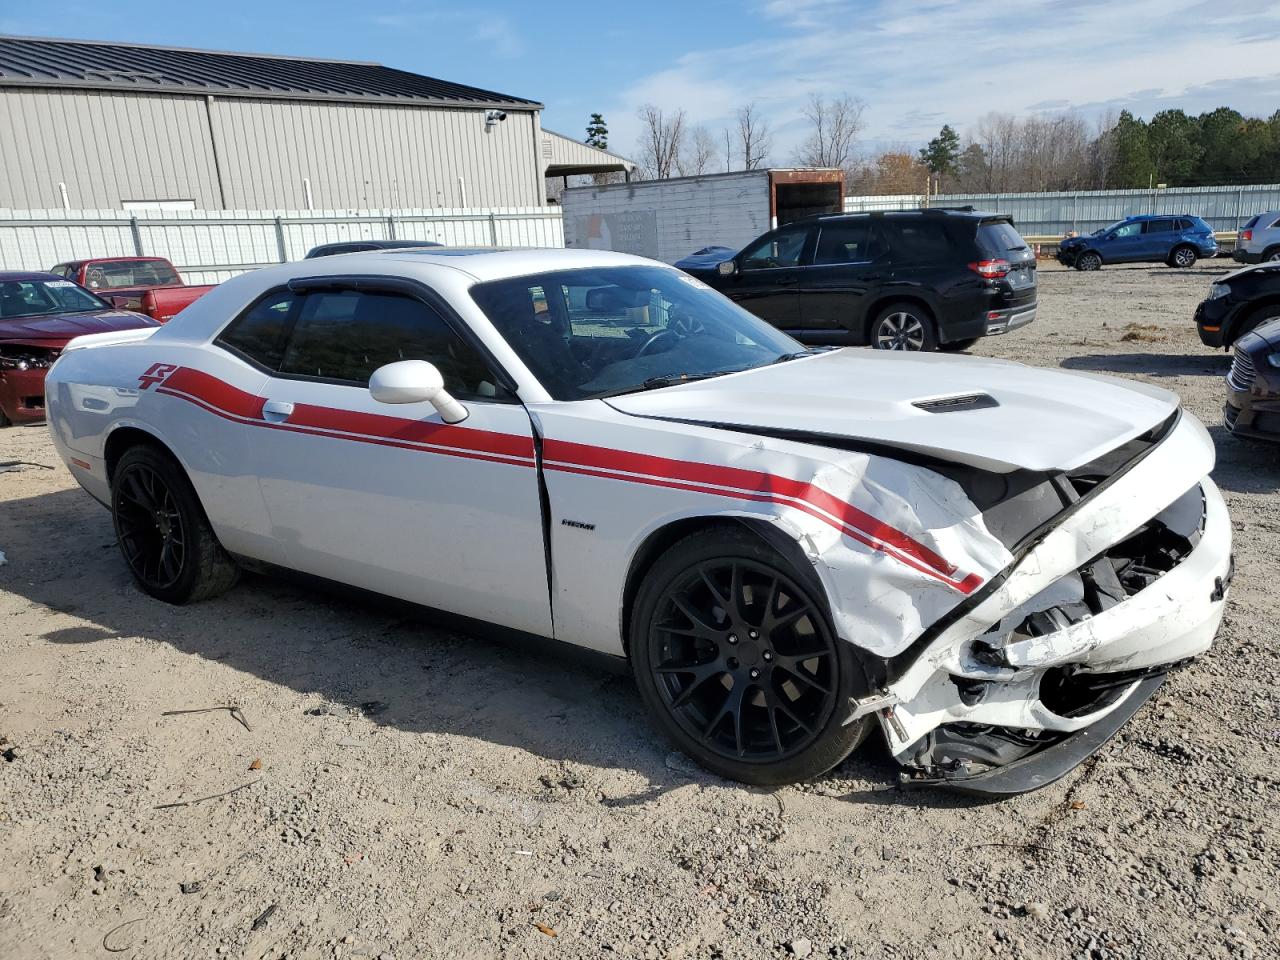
[[388, 497], [768, 279], [1124, 243], [1158, 238], [838, 279]]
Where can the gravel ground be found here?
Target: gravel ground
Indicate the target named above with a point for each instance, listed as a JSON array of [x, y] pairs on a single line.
[[404, 790]]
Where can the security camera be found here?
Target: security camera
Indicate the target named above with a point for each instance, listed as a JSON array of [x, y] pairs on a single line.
[[494, 116]]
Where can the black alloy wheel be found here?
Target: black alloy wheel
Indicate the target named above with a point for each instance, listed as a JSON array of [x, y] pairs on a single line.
[[1088, 261], [740, 665], [149, 526], [903, 326], [1183, 257], [162, 530]]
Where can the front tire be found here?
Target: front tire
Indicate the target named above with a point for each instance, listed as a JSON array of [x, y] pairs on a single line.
[[1183, 257], [903, 326], [1088, 261], [737, 663], [163, 533], [1271, 255]]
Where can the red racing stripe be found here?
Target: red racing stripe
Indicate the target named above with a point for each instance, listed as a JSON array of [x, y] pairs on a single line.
[[225, 400], [585, 455]]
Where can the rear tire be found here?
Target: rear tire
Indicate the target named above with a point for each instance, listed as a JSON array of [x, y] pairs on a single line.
[[163, 533], [740, 617], [1183, 257], [957, 345], [903, 326], [1088, 261]]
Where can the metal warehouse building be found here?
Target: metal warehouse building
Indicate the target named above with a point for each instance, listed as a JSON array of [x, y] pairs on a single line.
[[92, 125]]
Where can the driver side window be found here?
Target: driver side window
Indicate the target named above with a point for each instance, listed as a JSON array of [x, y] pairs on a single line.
[[781, 249], [1128, 230]]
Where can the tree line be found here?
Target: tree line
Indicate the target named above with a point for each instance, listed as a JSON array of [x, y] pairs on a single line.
[[1000, 153]]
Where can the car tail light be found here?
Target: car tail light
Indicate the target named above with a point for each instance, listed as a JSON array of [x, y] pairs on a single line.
[[991, 269], [1246, 235]]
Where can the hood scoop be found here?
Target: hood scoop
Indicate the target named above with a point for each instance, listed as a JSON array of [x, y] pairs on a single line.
[[967, 401]]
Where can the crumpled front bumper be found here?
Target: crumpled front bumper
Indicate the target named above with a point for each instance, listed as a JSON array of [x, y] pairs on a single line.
[[1170, 621]]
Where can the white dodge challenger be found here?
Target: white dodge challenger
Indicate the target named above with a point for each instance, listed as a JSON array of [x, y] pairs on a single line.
[[995, 565]]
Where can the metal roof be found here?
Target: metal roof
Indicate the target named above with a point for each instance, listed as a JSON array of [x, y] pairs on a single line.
[[101, 65]]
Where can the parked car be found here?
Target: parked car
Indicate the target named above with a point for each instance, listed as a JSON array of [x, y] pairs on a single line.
[[912, 280], [1259, 239], [1253, 384], [147, 285], [1237, 303], [39, 313], [1178, 241], [705, 258], [364, 246], [995, 564]]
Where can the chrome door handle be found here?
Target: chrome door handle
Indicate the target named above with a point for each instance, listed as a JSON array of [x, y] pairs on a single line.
[[276, 411]]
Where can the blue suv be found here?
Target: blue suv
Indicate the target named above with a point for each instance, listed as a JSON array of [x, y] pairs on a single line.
[[1178, 241]]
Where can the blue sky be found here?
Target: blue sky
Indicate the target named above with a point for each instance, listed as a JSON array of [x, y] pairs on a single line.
[[915, 63]]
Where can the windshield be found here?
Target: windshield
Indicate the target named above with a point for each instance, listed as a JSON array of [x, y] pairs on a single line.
[[121, 274], [35, 298], [611, 330]]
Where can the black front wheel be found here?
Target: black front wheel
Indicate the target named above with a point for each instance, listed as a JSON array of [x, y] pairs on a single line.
[[1088, 261], [737, 663], [163, 532]]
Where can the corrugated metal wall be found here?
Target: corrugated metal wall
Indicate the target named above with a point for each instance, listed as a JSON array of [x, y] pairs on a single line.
[[668, 219], [112, 147], [106, 148], [210, 246], [1053, 214]]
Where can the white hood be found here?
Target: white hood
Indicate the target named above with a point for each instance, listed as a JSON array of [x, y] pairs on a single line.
[[1042, 420]]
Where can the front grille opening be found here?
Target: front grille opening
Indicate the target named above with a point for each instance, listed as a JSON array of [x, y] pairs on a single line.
[[1119, 573], [1242, 373]]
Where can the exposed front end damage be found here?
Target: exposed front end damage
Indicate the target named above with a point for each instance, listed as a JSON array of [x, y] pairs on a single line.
[[1045, 662]]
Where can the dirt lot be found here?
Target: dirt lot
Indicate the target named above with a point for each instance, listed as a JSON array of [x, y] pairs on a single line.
[[422, 793]]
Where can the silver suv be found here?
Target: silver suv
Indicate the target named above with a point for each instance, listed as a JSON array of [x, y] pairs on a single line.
[[1259, 239]]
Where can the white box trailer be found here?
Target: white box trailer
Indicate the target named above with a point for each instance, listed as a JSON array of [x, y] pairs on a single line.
[[670, 219]]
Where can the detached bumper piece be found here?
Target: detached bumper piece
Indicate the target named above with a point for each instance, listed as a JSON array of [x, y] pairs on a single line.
[[1037, 767]]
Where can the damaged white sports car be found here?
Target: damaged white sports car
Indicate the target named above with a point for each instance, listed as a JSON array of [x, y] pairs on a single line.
[[996, 565]]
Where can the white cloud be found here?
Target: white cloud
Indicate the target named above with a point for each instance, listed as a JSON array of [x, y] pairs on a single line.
[[920, 63]]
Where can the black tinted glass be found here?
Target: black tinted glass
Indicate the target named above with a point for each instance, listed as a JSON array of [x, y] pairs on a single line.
[[346, 335], [919, 240], [1160, 226], [781, 250], [259, 334], [847, 242], [998, 238]]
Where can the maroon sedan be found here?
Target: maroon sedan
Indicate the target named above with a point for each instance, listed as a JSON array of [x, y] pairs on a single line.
[[39, 313]]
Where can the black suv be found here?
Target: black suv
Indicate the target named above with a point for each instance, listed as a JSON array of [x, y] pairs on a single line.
[[909, 280], [1237, 303]]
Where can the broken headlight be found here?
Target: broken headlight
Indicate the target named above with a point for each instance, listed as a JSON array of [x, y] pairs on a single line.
[[18, 357]]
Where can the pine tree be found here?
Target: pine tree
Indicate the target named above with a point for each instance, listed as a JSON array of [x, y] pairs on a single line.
[[942, 153], [597, 133]]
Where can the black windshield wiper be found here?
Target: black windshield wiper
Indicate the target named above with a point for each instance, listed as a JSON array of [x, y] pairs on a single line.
[[658, 383]]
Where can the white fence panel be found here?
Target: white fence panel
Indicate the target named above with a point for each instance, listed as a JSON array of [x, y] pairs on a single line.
[[210, 246]]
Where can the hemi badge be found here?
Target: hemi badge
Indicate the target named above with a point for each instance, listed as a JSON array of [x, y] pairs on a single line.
[[579, 524]]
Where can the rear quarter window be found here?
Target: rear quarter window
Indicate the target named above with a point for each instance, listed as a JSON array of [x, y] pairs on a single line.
[[920, 240]]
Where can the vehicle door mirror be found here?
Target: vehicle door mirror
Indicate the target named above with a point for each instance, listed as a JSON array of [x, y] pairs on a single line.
[[415, 381], [727, 268]]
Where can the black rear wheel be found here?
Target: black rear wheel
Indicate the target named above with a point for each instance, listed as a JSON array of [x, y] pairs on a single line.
[[1183, 257], [903, 326], [737, 663], [162, 530]]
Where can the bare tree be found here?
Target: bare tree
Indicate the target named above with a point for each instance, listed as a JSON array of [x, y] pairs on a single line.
[[697, 156], [754, 137], [836, 126], [660, 140]]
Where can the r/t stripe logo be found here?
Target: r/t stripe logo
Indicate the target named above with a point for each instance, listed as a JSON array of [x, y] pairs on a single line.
[[156, 373]]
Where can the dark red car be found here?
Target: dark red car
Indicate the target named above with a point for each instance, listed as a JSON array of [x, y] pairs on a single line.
[[39, 313]]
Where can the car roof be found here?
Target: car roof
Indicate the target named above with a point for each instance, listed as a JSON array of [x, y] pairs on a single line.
[[27, 275], [498, 263], [964, 213], [1161, 216]]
